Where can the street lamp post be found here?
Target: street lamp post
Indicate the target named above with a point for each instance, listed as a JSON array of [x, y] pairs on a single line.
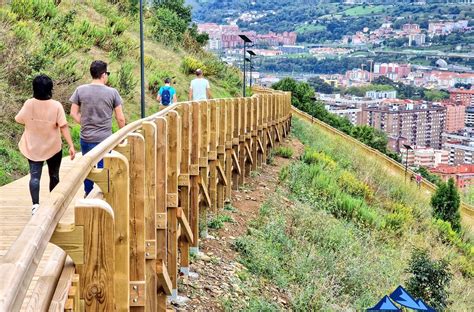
[[407, 147], [252, 54], [142, 64], [246, 41]]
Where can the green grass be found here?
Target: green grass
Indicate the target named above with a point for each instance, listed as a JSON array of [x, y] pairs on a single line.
[[217, 222], [283, 151], [64, 47], [364, 10], [345, 239], [310, 28]]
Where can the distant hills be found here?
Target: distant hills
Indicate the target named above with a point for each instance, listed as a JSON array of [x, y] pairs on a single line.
[[324, 20]]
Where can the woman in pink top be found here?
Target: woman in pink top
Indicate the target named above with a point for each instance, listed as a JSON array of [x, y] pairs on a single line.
[[44, 121]]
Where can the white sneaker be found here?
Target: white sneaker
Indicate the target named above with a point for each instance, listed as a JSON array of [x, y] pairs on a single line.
[[34, 209]]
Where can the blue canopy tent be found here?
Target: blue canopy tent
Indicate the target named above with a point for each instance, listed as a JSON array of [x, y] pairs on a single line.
[[402, 297], [384, 305], [423, 306]]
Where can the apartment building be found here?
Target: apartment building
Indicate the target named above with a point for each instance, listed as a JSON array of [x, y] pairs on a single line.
[[460, 147], [424, 157], [463, 175], [462, 96], [421, 124], [455, 116]]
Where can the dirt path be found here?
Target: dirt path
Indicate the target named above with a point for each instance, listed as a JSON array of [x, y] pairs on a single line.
[[218, 269]]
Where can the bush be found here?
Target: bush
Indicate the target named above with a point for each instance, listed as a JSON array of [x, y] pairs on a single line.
[[350, 184], [313, 157], [284, 151], [218, 222], [190, 64], [445, 202], [34, 9], [430, 279], [124, 80], [156, 79]]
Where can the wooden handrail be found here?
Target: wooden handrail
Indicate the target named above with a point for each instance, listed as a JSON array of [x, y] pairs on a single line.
[[18, 265]]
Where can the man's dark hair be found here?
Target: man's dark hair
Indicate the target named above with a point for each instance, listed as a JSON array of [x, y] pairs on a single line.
[[167, 80], [42, 88], [98, 68]]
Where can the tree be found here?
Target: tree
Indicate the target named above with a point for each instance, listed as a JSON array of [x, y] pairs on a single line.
[[445, 202], [301, 92], [430, 279], [319, 85], [177, 6]]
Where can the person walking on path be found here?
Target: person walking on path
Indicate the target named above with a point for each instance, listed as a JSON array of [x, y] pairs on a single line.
[[44, 121], [167, 94], [92, 106], [199, 88], [418, 180]]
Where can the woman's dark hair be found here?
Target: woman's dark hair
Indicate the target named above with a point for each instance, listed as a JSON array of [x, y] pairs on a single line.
[[98, 68], [168, 80], [42, 88]]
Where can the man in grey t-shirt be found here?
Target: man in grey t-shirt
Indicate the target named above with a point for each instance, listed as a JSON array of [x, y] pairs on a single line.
[[93, 106], [199, 88]]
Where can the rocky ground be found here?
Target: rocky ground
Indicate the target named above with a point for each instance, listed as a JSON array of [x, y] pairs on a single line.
[[219, 274]]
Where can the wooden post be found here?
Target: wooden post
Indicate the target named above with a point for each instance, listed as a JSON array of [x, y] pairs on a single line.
[[242, 151], [222, 106], [184, 181], [134, 150], [204, 168], [98, 278], [194, 175], [261, 148], [248, 136], [150, 134], [117, 195], [214, 128], [173, 161], [228, 148], [161, 212], [265, 133], [235, 144], [254, 131]]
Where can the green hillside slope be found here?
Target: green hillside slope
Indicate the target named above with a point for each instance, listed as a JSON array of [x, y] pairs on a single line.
[[62, 40], [340, 233]]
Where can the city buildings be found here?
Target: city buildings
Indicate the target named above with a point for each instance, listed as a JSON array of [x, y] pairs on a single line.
[[350, 112], [460, 147], [390, 94], [424, 157], [463, 175], [469, 117], [462, 97], [416, 40], [420, 124], [455, 116], [446, 27]]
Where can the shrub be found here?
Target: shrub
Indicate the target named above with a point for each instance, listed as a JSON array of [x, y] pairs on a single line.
[[430, 279], [34, 9], [284, 151], [124, 80], [218, 222], [167, 27], [445, 202], [190, 64], [350, 184], [313, 157]]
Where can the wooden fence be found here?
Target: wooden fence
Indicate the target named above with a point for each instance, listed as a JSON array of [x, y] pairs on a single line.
[[162, 176]]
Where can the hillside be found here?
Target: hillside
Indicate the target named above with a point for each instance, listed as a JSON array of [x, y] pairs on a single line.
[[61, 41], [322, 228], [318, 21]]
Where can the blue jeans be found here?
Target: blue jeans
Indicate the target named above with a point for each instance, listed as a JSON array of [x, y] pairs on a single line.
[[86, 147]]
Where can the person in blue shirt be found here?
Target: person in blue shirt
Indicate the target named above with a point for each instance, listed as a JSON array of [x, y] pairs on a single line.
[[167, 94]]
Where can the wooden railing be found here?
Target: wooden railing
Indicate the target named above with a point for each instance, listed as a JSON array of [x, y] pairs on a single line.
[[467, 211], [162, 176]]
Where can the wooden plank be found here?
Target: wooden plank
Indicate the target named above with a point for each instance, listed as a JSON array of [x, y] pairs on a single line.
[[204, 168], [118, 199], [173, 161], [255, 103], [136, 156], [235, 143], [194, 189], [164, 281], [242, 152], [214, 111], [161, 204], [204, 190], [184, 180], [101, 283], [222, 176], [149, 133], [45, 286], [184, 223], [58, 301], [236, 165]]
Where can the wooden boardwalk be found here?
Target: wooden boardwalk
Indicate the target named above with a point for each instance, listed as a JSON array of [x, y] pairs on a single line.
[[15, 212], [124, 248]]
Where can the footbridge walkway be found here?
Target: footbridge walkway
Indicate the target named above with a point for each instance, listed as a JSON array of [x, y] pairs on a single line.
[[124, 247]]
